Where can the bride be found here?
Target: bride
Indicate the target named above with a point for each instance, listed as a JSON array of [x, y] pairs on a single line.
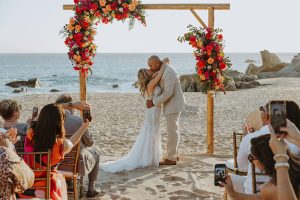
[[146, 150]]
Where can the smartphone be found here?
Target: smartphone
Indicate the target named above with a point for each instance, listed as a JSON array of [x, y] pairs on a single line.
[[220, 173], [35, 111], [2, 130], [86, 115], [277, 114]]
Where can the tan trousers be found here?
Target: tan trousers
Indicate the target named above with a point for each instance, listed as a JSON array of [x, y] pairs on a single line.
[[173, 135]]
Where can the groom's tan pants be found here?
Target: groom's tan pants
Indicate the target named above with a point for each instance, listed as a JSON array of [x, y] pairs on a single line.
[[173, 135]]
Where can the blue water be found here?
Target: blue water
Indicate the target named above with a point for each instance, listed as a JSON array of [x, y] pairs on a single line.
[[55, 71]]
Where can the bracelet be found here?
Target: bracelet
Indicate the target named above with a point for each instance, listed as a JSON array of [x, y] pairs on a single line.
[[70, 104], [279, 165], [281, 155]]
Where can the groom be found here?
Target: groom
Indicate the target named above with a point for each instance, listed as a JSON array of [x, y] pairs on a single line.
[[172, 100]]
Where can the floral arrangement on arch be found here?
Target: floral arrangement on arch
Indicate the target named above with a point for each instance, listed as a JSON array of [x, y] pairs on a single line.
[[211, 63], [80, 31]]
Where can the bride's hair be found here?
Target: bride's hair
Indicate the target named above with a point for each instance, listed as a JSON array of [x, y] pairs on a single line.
[[143, 80]]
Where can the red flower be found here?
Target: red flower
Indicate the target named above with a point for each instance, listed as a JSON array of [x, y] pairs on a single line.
[[76, 68], [220, 37], [105, 20], [114, 5], [67, 41], [192, 39], [84, 25], [97, 14], [78, 37], [200, 72], [78, 10], [208, 36], [222, 65], [90, 63], [94, 7], [200, 64], [212, 74], [206, 74], [76, 1]]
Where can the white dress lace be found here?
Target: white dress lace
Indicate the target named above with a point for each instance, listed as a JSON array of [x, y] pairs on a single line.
[[146, 150]]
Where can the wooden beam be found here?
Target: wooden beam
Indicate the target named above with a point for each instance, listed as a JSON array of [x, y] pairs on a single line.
[[198, 18], [82, 81], [210, 97], [175, 6], [211, 17]]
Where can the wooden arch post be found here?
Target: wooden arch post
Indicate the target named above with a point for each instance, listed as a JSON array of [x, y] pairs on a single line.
[[191, 7]]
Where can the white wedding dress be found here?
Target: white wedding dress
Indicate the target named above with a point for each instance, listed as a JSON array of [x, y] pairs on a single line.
[[146, 151]]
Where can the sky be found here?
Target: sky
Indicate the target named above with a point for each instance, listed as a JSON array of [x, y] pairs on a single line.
[[32, 26]]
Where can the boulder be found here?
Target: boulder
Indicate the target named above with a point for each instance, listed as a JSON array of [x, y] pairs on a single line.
[[247, 85], [187, 83], [33, 83], [20, 90], [249, 61], [230, 85], [248, 78], [292, 70], [234, 74], [115, 85], [270, 63], [54, 90]]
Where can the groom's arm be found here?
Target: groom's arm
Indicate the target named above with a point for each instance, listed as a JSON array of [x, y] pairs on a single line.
[[170, 81]]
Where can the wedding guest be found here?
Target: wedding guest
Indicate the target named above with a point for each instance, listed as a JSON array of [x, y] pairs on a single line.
[[263, 159], [89, 154], [285, 188], [49, 133], [244, 184], [15, 174], [10, 111]]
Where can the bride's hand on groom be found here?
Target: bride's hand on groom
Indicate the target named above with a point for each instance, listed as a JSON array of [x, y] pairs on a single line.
[[149, 103], [166, 61]]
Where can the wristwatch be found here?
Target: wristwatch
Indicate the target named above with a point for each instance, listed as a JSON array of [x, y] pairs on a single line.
[[70, 104]]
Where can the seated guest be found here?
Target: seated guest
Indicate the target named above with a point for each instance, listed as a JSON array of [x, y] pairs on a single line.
[[263, 159], [89, 154], [15, 175], [49, 133], [244, 184], [285, 189], [10, 111]]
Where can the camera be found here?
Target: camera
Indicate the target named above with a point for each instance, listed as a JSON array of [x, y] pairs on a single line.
[[277, 114], [220, 173], [87, 115]]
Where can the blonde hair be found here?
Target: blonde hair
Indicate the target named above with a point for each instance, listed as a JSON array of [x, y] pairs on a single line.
[[8, 107], [143, 80]]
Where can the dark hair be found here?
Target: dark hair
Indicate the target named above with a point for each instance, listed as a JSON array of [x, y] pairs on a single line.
[[49, 126], [64, 98], [261, 150], [8, 107], [292, 112]]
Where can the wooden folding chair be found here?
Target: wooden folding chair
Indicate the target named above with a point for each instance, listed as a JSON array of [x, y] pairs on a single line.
[[20, 143], [39, 167], [232, 165], [68, 168], [254, 182]]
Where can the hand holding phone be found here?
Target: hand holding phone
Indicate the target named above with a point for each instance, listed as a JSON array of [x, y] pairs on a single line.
[[35, 111], [86, 115], [277, 113], [220, 173]]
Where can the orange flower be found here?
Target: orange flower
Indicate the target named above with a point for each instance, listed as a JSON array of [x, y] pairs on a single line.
[[72, 21], [102, 3], [199, 43], [113, 15], [210, 61], [108, 8], [105, 11], [135, 2], [125, 5], [131, 7], [70, 27], [77, 28]]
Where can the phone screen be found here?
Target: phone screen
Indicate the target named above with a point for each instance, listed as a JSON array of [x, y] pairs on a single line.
[[35, 111], [220, 172], [278, 115]]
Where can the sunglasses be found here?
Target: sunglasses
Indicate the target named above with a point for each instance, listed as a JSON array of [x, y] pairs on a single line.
[[251, 158]]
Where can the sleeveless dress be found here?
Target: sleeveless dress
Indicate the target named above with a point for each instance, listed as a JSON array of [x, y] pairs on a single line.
[[146, 150]]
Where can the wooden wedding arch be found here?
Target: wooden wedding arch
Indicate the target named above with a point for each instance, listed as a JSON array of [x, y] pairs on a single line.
[[211, 19]]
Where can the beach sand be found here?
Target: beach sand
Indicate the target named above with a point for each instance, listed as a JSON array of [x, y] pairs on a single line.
[[117, 119]]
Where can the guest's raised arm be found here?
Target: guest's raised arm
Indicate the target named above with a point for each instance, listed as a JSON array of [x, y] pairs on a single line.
[[79, 105], [151, 85]]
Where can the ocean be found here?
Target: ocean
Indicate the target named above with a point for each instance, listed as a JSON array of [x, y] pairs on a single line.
[[54, 71]]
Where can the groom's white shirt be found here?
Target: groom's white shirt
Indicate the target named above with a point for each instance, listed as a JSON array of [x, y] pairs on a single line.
[[172, 96]]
